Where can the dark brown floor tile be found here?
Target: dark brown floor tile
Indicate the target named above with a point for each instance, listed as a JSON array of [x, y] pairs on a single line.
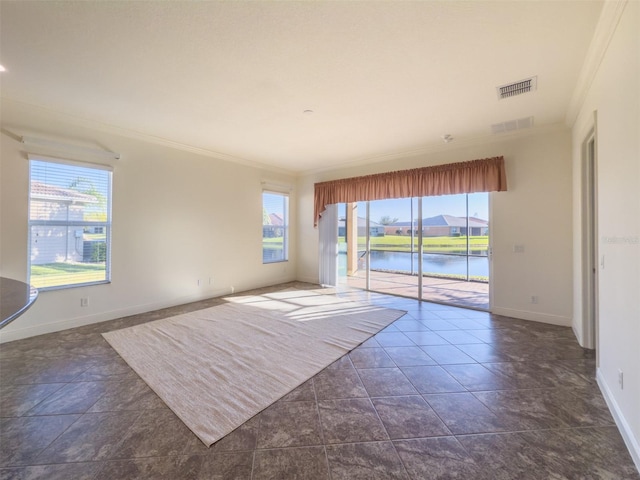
[[585, 369], [227, 466], [382, 382], [343, 383], [409, 356], [243, 438], [432, 379], [371, 358], [350, 420], [559, 424], [447, 354], [531, 374], [154, 433], [426, 338], [308, 463], [525, 407], [475, 377], [439, 325], [41, 369], [575, 409], [289, 424], [113, 369], [487, 335], [463, 413], [72, 398], [508, 456], [421, 313], [467, 324], [304, 392], [23, 438], [486, 352], [598, 453], [93, 437], [370, 343], [155, 468], [389, 328], [128, 395], [393, 339], [459, 337], [452, 313], [440, 458], [409, 325], [365, 461], [342, 363], [65, 471], [409, 417], [16, 400]]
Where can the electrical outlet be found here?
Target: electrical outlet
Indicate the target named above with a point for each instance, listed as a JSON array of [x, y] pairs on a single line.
[[621, 379], [534, 299], [84, 302], [518, 249], [198, 281]]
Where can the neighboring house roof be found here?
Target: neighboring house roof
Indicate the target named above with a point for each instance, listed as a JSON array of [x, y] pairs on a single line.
[[445, 221], [276, 219], [44, 191], [362, 222]]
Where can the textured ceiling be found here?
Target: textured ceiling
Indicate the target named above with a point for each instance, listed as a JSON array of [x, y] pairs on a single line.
[[235, 77]]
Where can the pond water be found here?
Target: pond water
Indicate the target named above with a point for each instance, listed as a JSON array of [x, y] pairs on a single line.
[[431, 263]]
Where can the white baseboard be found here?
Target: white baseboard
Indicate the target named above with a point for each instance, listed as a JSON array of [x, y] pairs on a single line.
[[40, 329], [534, 316], [43, 328], [313, 280], [625, 430]]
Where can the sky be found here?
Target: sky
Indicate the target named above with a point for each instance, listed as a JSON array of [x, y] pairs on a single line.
[[432, 206], [63, 175]]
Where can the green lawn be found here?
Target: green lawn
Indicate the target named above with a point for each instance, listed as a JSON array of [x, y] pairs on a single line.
[[63, 273], [402, 243]]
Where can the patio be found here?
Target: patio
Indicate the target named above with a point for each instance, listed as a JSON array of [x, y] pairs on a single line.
[[434, 289]]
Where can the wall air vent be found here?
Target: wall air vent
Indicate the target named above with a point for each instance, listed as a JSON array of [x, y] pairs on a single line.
[[512, 125], [517, 88]]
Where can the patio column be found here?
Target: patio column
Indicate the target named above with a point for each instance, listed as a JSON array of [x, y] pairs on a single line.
[[352, 238]]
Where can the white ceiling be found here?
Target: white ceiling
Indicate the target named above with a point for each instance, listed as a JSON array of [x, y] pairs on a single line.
[[235, 77]]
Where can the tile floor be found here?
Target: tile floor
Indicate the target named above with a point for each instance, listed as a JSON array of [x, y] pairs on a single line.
[[442, 393]]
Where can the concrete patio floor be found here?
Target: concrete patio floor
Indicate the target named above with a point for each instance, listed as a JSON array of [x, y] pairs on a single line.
[[441, 290]]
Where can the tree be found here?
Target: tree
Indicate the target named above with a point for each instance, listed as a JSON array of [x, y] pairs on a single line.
[[387, 220], [266, 218], [93, 213]]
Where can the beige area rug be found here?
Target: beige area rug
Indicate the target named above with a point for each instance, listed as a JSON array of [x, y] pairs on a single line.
[[218, 367]]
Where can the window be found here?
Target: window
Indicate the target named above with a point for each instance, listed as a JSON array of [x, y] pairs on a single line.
[[275, 227], [69, 224]]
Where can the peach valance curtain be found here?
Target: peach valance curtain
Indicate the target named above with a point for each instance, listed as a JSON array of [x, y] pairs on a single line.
[[485, 175]]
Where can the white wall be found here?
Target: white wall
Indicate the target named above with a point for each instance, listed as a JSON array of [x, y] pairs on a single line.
[[534, 212], [615, 96], [177, 217]]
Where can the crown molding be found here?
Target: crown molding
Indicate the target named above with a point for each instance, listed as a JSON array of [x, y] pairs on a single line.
[[605, 29], [145, 137], [437, 147]]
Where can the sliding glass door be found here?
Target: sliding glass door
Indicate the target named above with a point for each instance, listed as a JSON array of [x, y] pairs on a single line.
[[380, 245]]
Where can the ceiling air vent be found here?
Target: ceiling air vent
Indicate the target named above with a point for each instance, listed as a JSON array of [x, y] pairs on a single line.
[[517, 88], [512, 125]]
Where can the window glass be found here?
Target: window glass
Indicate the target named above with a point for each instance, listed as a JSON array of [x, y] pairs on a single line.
[[275, 227], [69, 224]]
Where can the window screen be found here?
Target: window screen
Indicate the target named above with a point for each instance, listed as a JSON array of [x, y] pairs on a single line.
[[69, 224], [275, 227]]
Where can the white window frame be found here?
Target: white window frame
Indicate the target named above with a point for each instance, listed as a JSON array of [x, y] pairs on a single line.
[[72, 223]]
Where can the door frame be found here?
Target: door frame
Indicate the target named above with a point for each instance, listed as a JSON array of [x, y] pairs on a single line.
[[589, 235]]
